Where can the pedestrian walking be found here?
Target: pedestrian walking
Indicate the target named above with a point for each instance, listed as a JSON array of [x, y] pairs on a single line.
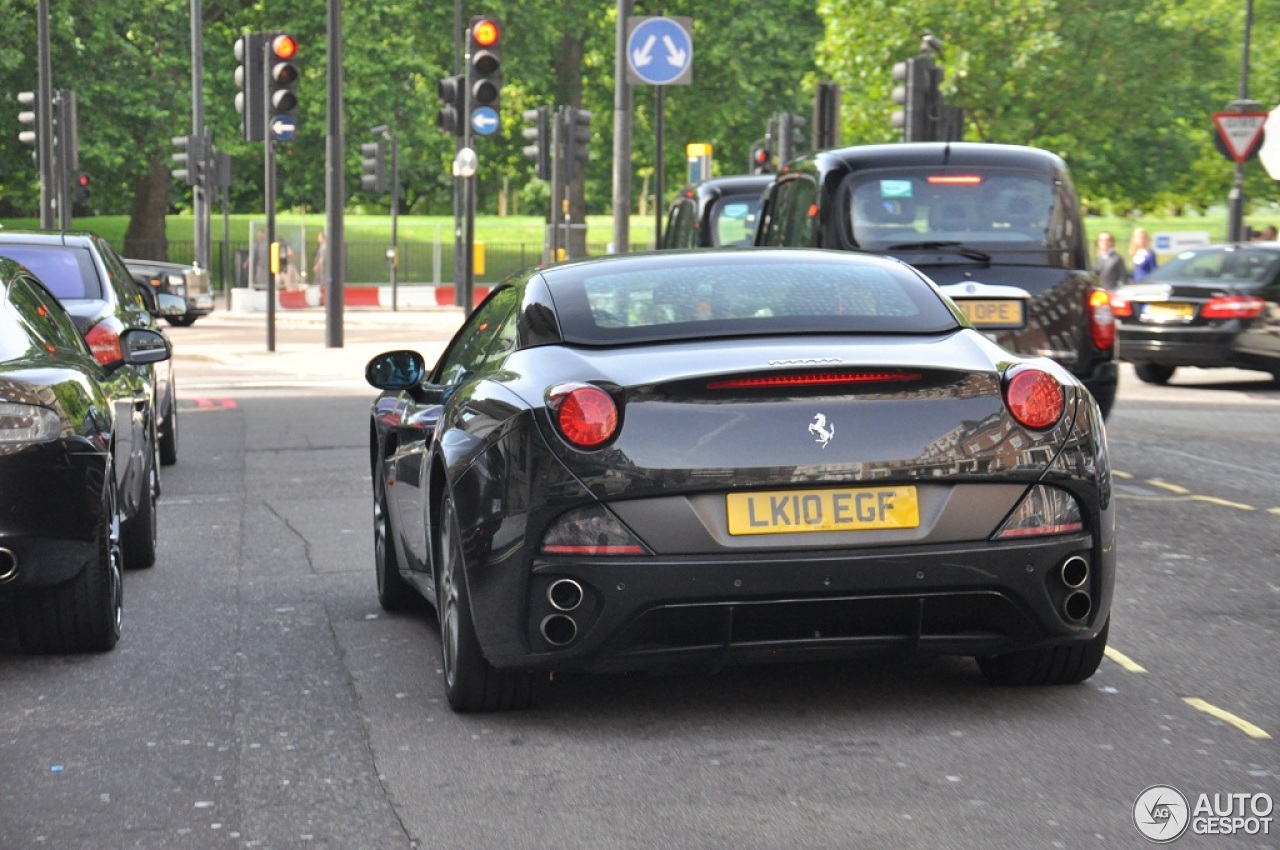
[[1144, 259], [1108, 264]]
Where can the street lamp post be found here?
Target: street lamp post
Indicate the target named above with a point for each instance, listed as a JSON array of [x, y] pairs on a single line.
[[1235, 199]]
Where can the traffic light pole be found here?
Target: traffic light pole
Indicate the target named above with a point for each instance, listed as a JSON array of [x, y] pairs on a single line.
[[44, 121]]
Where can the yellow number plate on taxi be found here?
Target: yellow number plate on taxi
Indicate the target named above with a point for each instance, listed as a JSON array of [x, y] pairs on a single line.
[[791, 511], [992, 312]]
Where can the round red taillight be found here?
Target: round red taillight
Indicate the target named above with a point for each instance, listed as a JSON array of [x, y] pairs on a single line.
[[586, 415], [1034, 398]]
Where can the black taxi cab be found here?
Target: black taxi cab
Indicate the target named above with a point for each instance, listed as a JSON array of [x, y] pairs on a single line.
[[998, 227], [715, 213]]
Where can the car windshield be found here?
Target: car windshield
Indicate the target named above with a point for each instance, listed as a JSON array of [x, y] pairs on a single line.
[[1219, 265], [733, 220], [752, 295], [67, 271], [924, 208]]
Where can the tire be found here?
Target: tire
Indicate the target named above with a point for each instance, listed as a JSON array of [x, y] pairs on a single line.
[[83, 615], [181, 321], [394, 593], [169, 436], [1050, 665], [1154, 373], [471, 683], [139, 533]]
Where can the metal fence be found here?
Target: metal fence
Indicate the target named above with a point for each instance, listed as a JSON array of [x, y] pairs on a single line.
[[366, 262]]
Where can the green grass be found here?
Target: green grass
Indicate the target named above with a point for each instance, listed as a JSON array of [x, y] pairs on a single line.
[[510, 242]]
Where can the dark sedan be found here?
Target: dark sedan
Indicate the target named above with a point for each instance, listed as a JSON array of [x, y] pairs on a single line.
[[187, 281], [95, 287], [60, 507], [1211, 307], [738, 456]]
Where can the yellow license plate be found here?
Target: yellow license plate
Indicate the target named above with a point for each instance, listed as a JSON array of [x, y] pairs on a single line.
[[993, 312], [843, 509], [1168, 311]]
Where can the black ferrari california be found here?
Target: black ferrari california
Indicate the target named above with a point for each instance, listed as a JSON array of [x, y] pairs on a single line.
[[737, 456]]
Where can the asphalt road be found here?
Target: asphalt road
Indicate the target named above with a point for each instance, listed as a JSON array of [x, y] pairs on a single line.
[[261, 698]]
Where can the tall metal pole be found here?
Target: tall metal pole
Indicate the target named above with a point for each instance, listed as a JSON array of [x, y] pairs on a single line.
[[335, 186], [459, 182], [199, 192], [1235, 199], [621, 135], [395, 210], [659, 160], [44, 121], [269, 189]]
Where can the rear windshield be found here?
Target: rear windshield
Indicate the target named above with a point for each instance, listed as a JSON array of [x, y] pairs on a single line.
[[983, 208], [68, 272], [758, 296], [733, 220], [1223, 265]]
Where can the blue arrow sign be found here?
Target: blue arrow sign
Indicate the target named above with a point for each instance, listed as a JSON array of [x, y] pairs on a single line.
[[484, 120], [283, 127], [660, 51]]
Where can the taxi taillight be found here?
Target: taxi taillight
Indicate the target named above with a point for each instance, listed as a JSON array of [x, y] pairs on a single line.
[[1102, 319]]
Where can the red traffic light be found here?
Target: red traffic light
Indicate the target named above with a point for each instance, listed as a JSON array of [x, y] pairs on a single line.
[[760, 155], [284, 47], [82, 180], [485, 32]]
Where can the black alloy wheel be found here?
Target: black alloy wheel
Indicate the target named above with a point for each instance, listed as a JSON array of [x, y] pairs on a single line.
[[139, 533], [1154, 373], [394, 593], [471, 683], [83, 615]]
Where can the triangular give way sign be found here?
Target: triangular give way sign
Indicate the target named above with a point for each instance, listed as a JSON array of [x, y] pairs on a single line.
[[1241, 132]]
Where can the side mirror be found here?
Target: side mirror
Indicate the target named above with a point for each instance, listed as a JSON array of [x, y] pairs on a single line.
[[170, 304], [143, 345], [396, 370]]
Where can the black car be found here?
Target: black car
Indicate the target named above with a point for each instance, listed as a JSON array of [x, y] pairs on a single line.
[[91, 281], [747, 455], [188, 281], [999, 227], [60, 466], [716, 212], [1216, 306]]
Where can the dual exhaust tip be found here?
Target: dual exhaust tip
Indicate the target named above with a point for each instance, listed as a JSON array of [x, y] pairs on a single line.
[[8, 564], [564, 595], [1074, 573]]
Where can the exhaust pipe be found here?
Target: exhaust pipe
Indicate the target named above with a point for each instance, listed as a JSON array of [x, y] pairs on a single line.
[[8, 564], [558, 629], [1077, 606], [564, 594], [1074, 572]]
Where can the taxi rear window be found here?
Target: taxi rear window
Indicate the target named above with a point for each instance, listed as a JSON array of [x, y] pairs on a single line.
[[980, 207]]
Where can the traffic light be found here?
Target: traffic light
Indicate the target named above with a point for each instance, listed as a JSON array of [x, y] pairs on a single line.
[[282, 86], [453, 97], [540, 133], [912, 95], [790, 138], [29, 117], [577, 135], [484, 63], [826, 116], [373, 166], [251, 84], [190, 159], [82, 187], [761, 159]]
